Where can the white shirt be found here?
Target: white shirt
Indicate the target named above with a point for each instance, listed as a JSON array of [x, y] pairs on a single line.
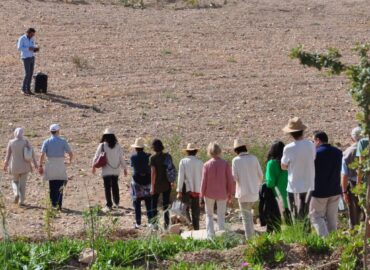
[[23, 45], [190, 173], [300, 156], [115, 159], [248, 176]]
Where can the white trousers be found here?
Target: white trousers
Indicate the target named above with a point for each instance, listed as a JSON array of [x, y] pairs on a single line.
[[19, 187], [247, 217], [221, 210], [324, 214]]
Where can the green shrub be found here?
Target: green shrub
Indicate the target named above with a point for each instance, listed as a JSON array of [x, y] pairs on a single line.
[[264, 250]]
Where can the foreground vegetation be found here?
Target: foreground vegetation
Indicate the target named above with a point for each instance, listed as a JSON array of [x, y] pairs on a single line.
[[267, 251]]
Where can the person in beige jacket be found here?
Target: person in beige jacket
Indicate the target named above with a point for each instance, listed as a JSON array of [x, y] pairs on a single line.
[[16, 164]]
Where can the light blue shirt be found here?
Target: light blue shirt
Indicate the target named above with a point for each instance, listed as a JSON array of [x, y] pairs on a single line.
[[55, 147], [23, 45], [344, 170]]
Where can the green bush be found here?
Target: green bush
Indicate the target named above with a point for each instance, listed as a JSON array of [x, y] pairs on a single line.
[[264, 250]]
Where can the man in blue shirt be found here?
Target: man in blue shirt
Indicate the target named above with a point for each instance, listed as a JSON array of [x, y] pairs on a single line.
[[325, 197], [55, 171], [26, 45]]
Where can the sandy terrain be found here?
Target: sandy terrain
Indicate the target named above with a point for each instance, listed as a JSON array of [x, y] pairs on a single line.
[[203, 74]]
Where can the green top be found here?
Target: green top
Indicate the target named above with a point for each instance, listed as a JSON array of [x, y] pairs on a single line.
[[161, 183], [276, 177]]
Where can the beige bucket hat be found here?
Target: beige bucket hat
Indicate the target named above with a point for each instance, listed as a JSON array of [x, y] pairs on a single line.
[[139, 143], [295, 124], [108, 131], [239, 143], [191, 147]]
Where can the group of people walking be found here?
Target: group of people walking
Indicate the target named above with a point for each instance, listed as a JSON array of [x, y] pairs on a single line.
[[304, 179]]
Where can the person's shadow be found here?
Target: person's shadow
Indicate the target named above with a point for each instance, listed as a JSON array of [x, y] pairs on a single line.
[[66, 101]]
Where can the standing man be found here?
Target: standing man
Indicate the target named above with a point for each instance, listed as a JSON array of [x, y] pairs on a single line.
[[26, 45], [188, 183], [325, 197], [299, 160], [349, 179], [55, 171]]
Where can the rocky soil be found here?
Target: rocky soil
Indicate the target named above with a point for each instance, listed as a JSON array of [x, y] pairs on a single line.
[[203, 74]]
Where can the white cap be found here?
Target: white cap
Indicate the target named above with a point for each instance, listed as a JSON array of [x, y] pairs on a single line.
[[54, 127], [108, 131]]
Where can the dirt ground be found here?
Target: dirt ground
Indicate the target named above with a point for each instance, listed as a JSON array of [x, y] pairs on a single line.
[[203, 74]]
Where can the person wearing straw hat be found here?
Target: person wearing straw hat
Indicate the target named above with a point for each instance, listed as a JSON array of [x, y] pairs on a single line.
[[112, 170], [299, 160], [349, 179], [188, 183], [16, 164], [140, 184], [248, 177], [54, 149]]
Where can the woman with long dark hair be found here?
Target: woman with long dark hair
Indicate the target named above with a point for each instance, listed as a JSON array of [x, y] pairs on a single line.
[[159, 182], [111, 171], [276, 178]]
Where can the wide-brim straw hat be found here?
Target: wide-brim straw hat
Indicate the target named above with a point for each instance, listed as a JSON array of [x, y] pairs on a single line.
[[295, 124], [108, 131], [191, 147], [239, 143], [139, 143]]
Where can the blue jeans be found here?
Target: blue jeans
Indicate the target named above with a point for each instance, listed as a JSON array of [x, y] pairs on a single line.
[[29, 64], [137, 205], [56, 192]]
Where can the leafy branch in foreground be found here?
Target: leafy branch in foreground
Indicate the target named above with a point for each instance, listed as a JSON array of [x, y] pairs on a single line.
[[359, 76], [329, 60]]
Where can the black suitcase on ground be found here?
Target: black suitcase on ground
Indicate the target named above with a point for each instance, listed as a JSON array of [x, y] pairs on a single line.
[[41, 83]]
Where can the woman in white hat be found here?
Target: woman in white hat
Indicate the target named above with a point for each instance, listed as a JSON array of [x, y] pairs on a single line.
[[248, 177], [141, 180], [188, 183], [112, 170], [17, 164]]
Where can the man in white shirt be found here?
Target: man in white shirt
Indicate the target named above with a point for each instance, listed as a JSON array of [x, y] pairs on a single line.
[[189, 181], [26, 46], [248, 176], [299, 159]]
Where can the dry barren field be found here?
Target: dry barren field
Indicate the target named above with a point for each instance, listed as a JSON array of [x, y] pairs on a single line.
[[202, 74]]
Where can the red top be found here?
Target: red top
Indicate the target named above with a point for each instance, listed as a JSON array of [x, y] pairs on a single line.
[[217, 180]]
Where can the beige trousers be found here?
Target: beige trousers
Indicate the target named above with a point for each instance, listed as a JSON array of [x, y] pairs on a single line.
[[19, 187]]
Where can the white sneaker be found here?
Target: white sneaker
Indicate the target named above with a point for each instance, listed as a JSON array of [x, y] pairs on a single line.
[[106, 209], [115, 206], [137, 226]]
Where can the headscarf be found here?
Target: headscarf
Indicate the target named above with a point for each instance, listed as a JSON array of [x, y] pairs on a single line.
[[18, 133]]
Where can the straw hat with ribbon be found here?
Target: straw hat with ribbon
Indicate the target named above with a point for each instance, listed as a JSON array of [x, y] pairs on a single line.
[[139, 143], [295, 124], [191, 147]]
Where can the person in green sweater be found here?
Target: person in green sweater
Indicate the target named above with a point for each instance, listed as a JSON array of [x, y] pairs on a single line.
[[276, 178]]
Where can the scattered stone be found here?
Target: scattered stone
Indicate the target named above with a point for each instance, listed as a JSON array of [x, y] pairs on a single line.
[[87, 256]]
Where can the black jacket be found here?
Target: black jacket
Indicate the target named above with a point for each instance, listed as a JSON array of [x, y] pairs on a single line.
[[269, 209]]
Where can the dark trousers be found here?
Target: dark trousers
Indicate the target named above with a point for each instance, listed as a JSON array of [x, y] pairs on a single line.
[[137, 206], [56, 192], [354, 208], [192, 203], [165, 206], [111, 188], [29, 64], [300, 213]]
